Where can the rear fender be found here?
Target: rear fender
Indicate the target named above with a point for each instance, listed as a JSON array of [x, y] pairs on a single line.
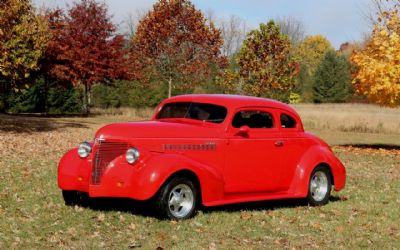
[[161, 167], [314, 156]]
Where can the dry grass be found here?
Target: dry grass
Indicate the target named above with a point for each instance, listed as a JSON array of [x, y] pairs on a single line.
[[359, 118], [364, 215], [352, 123]]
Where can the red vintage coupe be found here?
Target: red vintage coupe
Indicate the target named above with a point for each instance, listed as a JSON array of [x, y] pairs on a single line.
[[204, 149]]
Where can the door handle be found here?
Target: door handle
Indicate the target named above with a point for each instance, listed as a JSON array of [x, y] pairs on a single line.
[[279, 143]]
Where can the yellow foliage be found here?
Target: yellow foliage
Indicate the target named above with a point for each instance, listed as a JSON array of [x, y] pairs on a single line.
[[294, 98], [23, 39], [378, 66], [312, 50]]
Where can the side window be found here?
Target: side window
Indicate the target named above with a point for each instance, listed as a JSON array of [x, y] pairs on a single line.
[[287, 121], [253, 119]]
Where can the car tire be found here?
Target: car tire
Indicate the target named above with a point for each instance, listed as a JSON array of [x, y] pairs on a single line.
[[319, 186], [177, 199], [72, 198]]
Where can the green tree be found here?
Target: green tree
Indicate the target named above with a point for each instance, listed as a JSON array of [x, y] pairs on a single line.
[[265, 65], [305, 83], [23, 39], [332, 79], [174, 45]]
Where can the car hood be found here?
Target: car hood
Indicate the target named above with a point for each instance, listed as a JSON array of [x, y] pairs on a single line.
[[158, 129]]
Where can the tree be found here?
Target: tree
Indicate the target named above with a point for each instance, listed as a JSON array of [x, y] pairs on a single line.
[[293, 28], [265, 66], [305, 84], [132, 20], [332, 79], [22, 42], [311, 51], [378, 8], [377, 73], [84, 48], [173, 44], [233, 30]]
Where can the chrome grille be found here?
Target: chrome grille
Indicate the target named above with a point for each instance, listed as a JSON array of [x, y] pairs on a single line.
[[106, 151]]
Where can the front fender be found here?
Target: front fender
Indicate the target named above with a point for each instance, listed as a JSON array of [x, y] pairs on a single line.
[[73, 172], [314, 156], [142, 180], [160, 167]]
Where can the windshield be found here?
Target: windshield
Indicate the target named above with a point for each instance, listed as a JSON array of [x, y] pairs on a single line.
[[192, 110]]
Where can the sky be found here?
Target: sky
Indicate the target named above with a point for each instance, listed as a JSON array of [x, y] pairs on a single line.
[[338, 20]]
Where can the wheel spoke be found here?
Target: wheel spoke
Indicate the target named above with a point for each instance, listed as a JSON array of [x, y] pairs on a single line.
[[319, 186], [181, 200]]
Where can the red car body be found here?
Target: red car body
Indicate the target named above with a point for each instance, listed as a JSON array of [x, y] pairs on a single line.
[[231, 163]]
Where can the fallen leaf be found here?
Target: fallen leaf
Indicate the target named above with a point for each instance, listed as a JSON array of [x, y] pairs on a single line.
[[135, 244], [101, 217], [245, 215], [340, 229]]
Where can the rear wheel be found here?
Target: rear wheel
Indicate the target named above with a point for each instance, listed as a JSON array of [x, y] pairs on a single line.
[[178, 199], [72, 198], [319, 187]]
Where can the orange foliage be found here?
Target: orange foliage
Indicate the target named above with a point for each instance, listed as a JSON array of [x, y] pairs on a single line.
[[377, 74]]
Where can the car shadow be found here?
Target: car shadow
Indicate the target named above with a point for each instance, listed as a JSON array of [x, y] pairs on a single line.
[[34, 123], [373, 146], [264, 205], [145, 208], [135, 207]]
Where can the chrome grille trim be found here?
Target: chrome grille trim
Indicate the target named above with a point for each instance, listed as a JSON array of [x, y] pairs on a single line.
[[106, 151]]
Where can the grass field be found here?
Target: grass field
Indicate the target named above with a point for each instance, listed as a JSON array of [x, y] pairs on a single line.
[[364, 215]]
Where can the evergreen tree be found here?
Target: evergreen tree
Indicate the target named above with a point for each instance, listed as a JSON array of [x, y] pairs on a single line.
[[305, 84], [332, 79]]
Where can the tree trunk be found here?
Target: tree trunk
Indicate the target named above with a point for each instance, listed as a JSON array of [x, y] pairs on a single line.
[[169, 87], [89, 97], [46, 91], [3, 96], [85, 99]]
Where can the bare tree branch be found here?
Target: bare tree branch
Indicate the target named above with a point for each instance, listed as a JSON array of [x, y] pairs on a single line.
[[293, 28], [132, 20], [233, 31]]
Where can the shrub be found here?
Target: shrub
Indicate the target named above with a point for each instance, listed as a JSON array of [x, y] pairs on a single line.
[[53, 99]]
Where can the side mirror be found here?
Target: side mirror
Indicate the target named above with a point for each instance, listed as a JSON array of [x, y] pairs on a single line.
[[243, 130]]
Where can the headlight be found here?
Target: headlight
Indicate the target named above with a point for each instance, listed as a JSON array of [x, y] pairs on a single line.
[[132, 155], [84, 149]]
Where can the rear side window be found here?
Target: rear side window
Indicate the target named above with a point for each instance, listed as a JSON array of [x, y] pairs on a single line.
[[287, 121], [253, 119]]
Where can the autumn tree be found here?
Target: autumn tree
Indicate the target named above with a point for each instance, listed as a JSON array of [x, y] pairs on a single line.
[[377, 73], [332, 80], [84, 48], [265, 66], [22, 42], [174, 45], [311, 51]]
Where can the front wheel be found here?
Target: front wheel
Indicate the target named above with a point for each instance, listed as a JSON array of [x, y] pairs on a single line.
[[319, 187], [177, 200]]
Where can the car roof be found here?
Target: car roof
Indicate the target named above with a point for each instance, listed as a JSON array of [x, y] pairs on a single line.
[[231, 101]]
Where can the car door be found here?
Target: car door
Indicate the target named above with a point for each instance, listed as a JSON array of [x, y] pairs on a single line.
[[254, 152], [295, 145]]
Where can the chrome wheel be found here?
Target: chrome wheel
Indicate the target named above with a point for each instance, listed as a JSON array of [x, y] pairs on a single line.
[[319, 186], [180, 201]]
